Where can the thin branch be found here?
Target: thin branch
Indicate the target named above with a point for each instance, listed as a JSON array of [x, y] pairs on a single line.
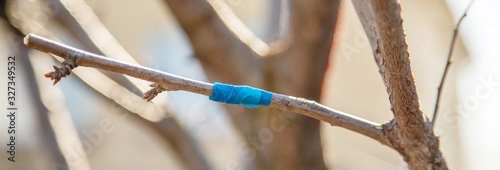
[[446, 68], [334, 117], [172, 82]]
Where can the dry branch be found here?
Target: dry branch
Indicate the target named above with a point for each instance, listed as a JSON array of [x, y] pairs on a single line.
[[172, 82]]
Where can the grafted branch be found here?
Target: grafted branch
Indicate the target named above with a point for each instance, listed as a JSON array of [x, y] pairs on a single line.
[[172, 82]]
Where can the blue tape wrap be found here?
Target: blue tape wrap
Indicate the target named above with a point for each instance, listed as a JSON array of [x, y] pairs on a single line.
[[248, 96]]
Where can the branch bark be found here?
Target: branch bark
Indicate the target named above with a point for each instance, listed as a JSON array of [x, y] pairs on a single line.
[[410, 133]]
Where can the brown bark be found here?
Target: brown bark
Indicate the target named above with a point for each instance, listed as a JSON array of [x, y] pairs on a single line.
[[410, 133]]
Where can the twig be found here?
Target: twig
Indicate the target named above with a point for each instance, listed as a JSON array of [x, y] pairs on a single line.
[[172, 82], [411, 131], [446, 68]]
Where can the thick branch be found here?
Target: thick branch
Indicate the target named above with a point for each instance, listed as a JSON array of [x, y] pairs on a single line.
[[395, 68], [410, 132], [172, 82]]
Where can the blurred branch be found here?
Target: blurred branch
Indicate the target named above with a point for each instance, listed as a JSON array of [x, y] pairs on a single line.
[[245, 35], [367, 19], [311, 35], [448, 63], [241, 31], [300, 71], [172, 82], [50, 131], [60, 120], [219, 51], [48, 137], [410, 133]]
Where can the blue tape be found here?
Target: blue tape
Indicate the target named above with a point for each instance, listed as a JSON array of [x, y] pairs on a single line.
[[248, 96]]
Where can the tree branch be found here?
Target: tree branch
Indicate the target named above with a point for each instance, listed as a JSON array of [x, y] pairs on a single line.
[[448, 63], [227, 58], [172, 82], [410, 133]]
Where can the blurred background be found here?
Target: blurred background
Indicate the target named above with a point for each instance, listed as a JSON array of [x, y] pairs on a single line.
[[96, 120]]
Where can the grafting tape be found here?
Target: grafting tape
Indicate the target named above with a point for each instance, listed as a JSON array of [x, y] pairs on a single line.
[[248, 96]]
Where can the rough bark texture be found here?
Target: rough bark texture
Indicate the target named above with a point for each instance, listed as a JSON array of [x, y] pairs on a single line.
[[295, 141], [410, 132]]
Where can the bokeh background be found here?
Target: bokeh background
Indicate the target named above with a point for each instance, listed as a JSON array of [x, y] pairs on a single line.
[[114, 139]]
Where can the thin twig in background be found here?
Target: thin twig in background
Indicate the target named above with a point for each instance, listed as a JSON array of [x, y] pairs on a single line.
[[446, 68], [172, 83], [244, 34], [60, 120]]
